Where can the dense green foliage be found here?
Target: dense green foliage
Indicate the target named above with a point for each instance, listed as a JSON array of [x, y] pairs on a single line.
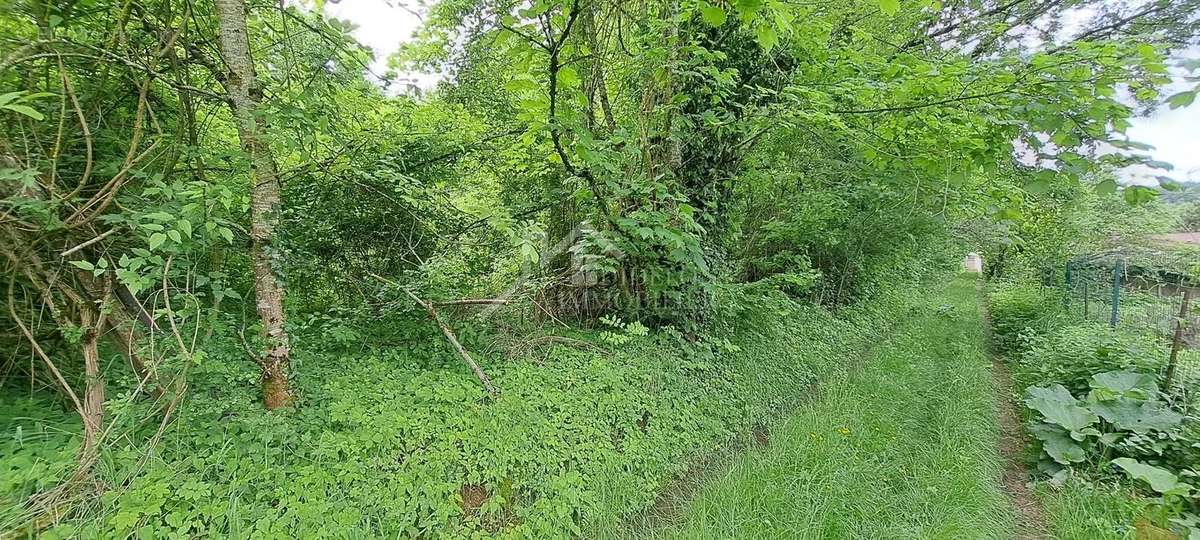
[[1116, 445], [1095, 407], [402, 444], [615, 235]]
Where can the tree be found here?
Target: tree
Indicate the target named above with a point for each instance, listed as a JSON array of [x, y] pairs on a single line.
[[245, 96]]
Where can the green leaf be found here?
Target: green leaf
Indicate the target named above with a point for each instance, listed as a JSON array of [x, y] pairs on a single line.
[[157, 239], [747, 9], [1160, 480], [174, 234], [1037, 186], [1136, 195], [1182, 99], [520, 85], [1168, 183], [83, 265], [713, 15], [226, 234], [25, 110], [766, 36], [9, 97], [1125, 382], [1058, 444], [185, 227], [568, 77], [33, 96], [1108, 186], [1131, 145], [1138, 416], [1058, 406], [889, 7]]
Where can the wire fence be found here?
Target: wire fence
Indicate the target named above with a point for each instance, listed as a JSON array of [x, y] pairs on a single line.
[[1155, 300]]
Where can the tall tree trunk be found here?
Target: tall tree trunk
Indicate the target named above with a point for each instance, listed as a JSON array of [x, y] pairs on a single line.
[[245, 94]]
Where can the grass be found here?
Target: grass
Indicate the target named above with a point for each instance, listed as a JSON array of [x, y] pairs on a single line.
[[1082, 510], [904, 447]]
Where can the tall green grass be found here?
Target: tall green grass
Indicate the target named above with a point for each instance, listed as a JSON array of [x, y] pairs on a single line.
[[904, 447], [1080, 510]]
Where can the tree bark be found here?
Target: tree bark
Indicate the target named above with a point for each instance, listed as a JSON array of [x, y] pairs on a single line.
[[245, 95], [92, 410]]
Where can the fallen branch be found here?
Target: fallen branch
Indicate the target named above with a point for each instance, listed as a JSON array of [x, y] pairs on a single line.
[[483, 378], [547, 312]]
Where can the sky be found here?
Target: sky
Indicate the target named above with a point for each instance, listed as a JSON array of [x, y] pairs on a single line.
[[384, 24], [1175, 135]]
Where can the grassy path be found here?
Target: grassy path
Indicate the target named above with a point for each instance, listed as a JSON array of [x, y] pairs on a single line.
[[1031, 519], [905, 447]]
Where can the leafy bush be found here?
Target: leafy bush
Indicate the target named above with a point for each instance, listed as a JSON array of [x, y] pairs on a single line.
[[1123, 414], [1069, 355], [1094, 399], [1017, 308], [1174, 510], [1124, 418]]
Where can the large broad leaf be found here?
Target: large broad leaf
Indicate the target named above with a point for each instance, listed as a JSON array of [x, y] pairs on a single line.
[[1058, 406], [1058, 444], [712, 15], [25, 110], [1160, 480], [1138, 416], [1122, 383]]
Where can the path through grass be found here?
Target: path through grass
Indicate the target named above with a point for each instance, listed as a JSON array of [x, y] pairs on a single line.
[[903, 447]]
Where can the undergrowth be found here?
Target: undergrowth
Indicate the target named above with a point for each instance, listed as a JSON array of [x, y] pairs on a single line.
[[402, 441], [1113, 445]]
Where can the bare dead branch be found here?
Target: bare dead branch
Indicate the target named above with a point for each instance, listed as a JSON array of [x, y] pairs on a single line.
[[453, 339]]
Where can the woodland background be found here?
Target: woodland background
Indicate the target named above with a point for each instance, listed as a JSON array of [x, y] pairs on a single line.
[[641, 226]]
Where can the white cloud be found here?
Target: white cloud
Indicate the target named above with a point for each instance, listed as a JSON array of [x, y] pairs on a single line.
[[1174, 133], [383, 25]]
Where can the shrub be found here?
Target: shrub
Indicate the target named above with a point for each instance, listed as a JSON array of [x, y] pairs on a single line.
[[1122, 414], [1070, 355], [1017, 308], [1125, 423]]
